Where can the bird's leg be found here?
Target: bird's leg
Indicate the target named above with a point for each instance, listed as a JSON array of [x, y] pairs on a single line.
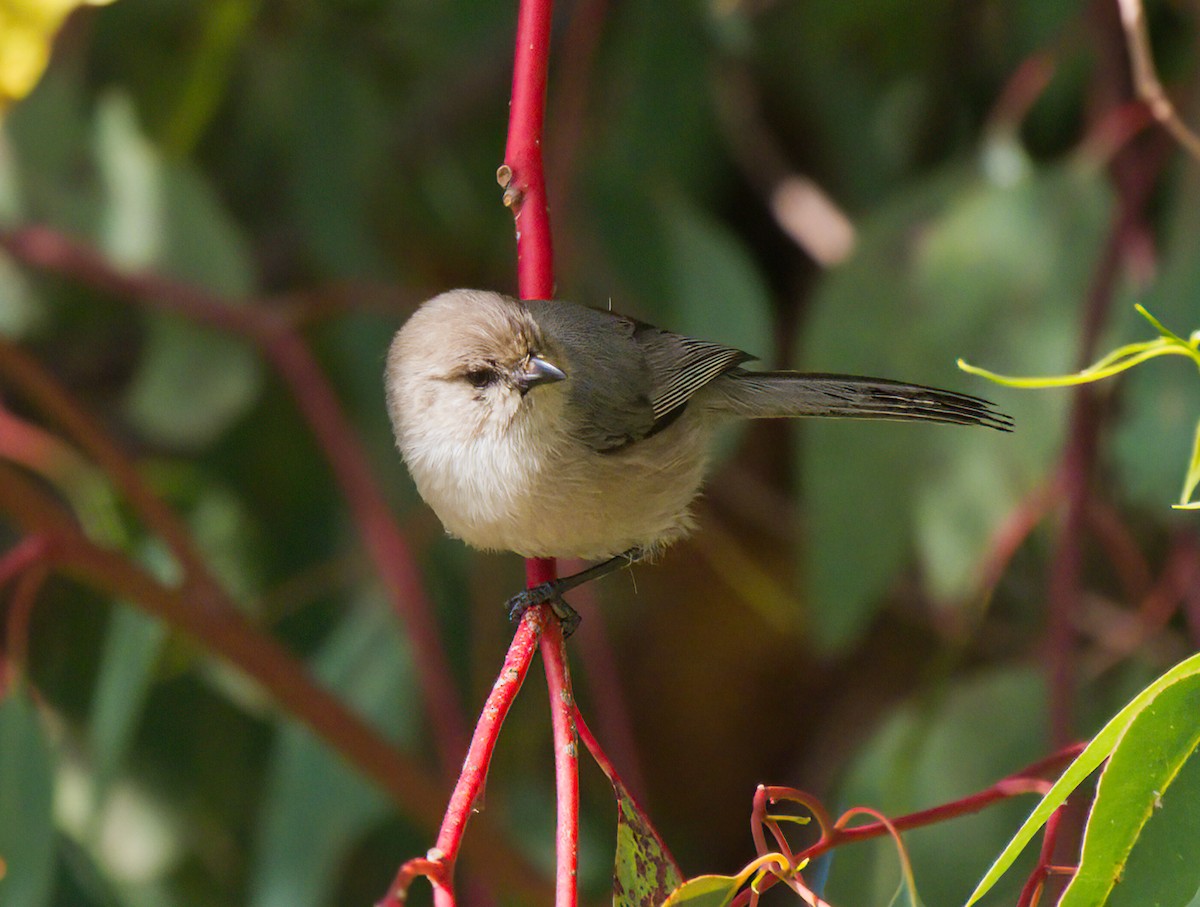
[[551, 593]]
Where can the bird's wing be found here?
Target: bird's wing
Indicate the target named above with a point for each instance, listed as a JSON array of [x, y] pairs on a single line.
[[633, 383], [680, 365], [610, 388]]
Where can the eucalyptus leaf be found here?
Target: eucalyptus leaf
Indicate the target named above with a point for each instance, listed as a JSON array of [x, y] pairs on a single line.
[[1100, 747], [27, 836], [1133, 787], [705, 891], [645, 871], [315, 805], [132, 647]]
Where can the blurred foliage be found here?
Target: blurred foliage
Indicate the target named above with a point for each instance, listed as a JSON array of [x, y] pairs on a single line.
[[27, 30], [333, 163]]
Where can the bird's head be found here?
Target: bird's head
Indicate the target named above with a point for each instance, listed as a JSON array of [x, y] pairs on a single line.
[[470, 364]]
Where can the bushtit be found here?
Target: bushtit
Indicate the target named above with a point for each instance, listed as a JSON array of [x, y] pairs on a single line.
[[554, 430]]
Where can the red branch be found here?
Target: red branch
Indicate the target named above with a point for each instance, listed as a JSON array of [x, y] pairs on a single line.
[[25, 565], [566, 763], [438, 865], [522, 174], [524, 183]]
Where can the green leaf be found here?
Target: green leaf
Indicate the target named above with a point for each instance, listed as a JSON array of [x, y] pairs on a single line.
[[191, 383], [132, 647], [1087, 762], [1162, 869], [645, 872], [705, 891], [1160, 401], [27, 845], [1193, 473], [1134, 784], [315, 805]]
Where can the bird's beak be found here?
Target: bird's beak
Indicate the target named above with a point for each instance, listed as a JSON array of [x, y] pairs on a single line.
[[534, 371]]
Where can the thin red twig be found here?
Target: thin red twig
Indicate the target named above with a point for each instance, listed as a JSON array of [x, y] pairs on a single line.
[[1031, 892], [566, 764], [438, 865], [21, 556], [50, 455], [25, 565], [607, 696]]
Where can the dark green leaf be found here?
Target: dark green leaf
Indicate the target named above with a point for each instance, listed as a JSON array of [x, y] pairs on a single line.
[[645, 872], [316, 805], [27, 842], [1133, 786]]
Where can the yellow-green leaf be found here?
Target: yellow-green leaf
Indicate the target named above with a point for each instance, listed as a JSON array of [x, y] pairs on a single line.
[[27, 29]]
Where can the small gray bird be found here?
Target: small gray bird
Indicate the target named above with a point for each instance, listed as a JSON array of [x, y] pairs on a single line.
[[554, 430]]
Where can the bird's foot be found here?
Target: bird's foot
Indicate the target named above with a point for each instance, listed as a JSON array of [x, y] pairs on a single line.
[[545, 594]]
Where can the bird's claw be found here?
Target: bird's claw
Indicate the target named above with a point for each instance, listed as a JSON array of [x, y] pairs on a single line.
[[545, 594]]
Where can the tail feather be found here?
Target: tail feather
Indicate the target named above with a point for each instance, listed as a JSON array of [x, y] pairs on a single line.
[[773, 395]]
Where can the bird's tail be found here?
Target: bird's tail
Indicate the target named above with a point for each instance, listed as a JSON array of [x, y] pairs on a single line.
[[775, 395]]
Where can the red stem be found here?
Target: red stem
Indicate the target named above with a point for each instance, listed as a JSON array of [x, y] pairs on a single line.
[[1025, 781], [438, 866], [525, 189], [609, 702], [28, 563], [566, 764], [525, 194], [1036, 883], [22, 556]]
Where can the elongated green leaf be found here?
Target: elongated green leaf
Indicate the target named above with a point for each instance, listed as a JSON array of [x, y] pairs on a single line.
[[315, 804], [1140, 771], [131, 650], [191, 382], [26, 797], [1087, 762], [1164, 867], [1193, 476]]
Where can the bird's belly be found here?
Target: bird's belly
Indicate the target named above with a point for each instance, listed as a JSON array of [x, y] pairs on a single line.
[[582, 504]]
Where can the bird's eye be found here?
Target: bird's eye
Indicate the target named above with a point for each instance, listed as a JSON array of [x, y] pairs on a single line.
[[481, 377]]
